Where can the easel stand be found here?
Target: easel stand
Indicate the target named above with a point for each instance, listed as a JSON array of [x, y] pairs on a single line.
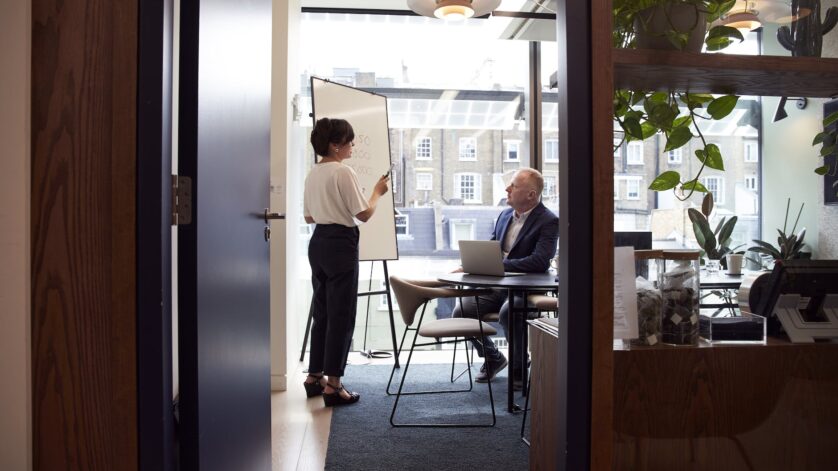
[[385, 291]]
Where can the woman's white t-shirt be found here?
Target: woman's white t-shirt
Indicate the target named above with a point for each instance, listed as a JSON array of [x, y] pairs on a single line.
[[332, 195]]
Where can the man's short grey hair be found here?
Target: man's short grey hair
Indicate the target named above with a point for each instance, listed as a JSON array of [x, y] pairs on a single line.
[[535, 179]]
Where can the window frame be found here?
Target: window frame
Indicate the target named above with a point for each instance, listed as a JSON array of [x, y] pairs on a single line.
[[629, 183], [748, 156], [678, 154], [452, 223], [430, 176], [719, 195], [753, 177], [419, 145], [551, 157], [478, 187], [506, 150], [634, 145], [460, 149]]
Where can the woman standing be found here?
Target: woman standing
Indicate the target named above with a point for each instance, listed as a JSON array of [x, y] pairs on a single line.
[[334, 201]]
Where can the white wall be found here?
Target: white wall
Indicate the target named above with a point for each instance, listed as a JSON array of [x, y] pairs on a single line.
[[15, 360], [283, 77], [789, 160]]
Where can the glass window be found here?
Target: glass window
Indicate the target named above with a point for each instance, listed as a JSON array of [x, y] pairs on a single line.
[[468, 148], [751, 182], [551, 150], [423, 148], [512, 148], [551, 188], [751, 151], [674, 156], [634, 153], [467, 187], [715, 185], [461, 229], [402, 223], [618, 148], [616, 188], [482, 95], [424, 181], [633, 189]]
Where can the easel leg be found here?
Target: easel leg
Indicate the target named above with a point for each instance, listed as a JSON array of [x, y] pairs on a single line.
[[305, 336]]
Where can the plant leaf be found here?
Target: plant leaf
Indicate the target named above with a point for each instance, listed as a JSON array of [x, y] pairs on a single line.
[[711, 157], [826, 150], [632, 127], [648, 129], [819, 138], [717, 44], [665, 181], [678, 137], [830, 119], [822, 170], [727, 230], [707, 204], [694, 185], [722, 31], [722, 106], [683, 121], [719, 227]]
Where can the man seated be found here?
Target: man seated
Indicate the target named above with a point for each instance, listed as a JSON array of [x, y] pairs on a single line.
[[529, 233]]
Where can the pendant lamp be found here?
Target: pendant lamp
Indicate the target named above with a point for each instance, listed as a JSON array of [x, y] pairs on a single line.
[[453, 9]]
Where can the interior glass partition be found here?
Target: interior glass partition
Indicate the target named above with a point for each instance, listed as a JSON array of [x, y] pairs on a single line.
[[457, 97]]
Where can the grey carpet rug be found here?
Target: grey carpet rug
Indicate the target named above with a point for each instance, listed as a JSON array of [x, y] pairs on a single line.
[[361, 437]]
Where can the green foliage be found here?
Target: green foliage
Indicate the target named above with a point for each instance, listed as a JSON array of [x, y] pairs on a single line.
[[715, 244], [789, 245], [828, 139], [642, 114], [627, 17]]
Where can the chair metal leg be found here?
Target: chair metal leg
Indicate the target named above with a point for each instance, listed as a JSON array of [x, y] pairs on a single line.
[[401, 392]]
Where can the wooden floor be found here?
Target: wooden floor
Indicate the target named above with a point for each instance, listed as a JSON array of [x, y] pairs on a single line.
[[300, 426]]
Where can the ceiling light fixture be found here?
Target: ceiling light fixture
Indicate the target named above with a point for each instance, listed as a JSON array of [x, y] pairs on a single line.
[[744, 20], [453, 9]]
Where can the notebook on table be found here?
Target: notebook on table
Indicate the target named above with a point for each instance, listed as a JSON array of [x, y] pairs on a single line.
[[483, 257]]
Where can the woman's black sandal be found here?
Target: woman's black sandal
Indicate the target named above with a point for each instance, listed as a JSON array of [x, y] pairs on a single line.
[[314, 388], [335, 399]]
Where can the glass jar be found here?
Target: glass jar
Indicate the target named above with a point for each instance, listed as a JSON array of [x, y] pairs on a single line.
[[648, 265], [679, 285]]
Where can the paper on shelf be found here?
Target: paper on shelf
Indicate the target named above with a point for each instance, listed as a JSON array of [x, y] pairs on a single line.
[[625, 299]]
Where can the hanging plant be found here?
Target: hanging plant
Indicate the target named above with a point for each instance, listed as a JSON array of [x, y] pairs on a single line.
[[641, 114]]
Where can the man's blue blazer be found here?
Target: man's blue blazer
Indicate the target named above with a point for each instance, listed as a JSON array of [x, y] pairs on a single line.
[[536, 243]]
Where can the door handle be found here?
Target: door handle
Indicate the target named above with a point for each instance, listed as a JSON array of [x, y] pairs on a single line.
[[269, 215]]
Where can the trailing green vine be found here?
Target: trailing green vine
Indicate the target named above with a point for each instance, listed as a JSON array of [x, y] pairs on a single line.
[[642, 114], [661, 112]]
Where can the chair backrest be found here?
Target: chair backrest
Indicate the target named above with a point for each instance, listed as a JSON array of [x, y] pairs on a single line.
[[409, 297]]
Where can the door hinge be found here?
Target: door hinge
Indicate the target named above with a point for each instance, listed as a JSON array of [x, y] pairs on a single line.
[[181, 200]]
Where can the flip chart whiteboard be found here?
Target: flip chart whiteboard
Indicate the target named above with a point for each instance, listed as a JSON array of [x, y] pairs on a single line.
[[367, 113]]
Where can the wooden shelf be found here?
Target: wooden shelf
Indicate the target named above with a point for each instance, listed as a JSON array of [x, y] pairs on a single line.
[[725, 73]]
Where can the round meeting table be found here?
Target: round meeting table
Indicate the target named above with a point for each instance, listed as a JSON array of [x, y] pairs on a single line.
[[516, 285]]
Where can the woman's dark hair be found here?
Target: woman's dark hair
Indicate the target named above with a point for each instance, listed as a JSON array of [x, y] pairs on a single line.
[[330, 131]]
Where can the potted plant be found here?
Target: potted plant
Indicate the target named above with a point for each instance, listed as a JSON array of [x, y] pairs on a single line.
[[715, 244], [789, 244], [641, 114], [671, 24]]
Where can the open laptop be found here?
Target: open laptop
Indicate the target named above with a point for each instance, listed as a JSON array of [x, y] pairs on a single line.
[[483, 257]]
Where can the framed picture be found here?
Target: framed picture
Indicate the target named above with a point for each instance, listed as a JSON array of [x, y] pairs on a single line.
[[830, 182]]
